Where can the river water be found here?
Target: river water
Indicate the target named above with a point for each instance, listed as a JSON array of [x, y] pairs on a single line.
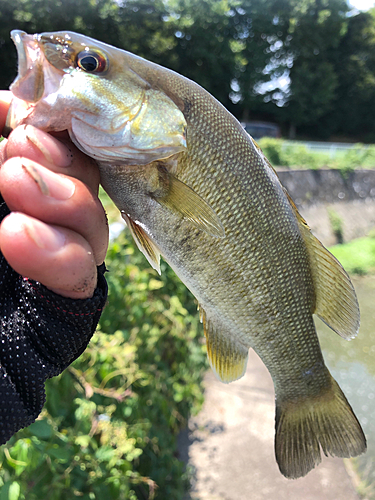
[[353, 366]]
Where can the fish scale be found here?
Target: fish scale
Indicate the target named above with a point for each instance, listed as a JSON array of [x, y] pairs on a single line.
[[241, 245], [194, 188]]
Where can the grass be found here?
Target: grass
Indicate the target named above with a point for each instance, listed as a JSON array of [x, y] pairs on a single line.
[[296, 156], [357, 256]]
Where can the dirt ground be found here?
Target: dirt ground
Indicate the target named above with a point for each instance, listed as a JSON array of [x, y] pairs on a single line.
[[228, 447]]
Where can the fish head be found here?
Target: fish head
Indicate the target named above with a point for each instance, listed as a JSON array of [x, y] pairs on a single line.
[[67, 81]]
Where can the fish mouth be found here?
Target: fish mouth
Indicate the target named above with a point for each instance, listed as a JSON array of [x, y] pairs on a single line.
[[29, 84], [16, 36], [28, 87]]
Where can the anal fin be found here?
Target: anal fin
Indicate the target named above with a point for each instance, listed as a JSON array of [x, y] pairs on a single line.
[[228, 358]]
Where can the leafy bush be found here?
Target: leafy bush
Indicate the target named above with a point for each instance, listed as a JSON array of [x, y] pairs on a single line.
[[299, 156], [359, 157], [337, 224], [273, 150], [284, 154], [108, 430]]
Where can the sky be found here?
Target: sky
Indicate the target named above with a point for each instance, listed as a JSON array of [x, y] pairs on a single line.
[[362, 4]]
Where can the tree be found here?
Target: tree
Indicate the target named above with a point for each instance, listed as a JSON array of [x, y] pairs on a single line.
[[315, 28], [98, 19], [355, 68], [202, 50], [217, 43], [260, 40], [237, 49]]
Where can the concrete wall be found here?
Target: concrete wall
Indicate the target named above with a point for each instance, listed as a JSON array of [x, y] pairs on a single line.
[[322, 195]]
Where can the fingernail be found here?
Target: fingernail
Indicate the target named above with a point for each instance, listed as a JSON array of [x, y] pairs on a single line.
[[49, 183], [53, 150], [45, 237]]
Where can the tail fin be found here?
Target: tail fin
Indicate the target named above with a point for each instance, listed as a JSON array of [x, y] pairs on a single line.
[[326, 420]]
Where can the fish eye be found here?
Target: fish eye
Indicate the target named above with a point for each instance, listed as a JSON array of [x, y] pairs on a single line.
[[91, 62]]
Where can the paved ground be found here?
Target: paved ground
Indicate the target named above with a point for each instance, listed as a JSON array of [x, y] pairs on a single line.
[[229, 447]]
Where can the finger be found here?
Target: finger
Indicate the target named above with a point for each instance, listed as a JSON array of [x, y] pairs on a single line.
[[69, 267], [55, 199], [5, 98], [39, 146], [58, 155]]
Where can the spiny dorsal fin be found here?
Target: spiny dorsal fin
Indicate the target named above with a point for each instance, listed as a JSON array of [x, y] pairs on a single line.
[[336, 300], [184, 201], [228, 359], [145, 245]]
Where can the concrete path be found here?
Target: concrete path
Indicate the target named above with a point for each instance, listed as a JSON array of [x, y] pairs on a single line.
[[229, 447]]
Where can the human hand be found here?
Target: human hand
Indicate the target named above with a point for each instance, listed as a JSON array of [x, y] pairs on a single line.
[[57, 231]]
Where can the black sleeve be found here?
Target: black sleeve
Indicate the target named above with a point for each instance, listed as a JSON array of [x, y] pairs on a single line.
[[41, 333]]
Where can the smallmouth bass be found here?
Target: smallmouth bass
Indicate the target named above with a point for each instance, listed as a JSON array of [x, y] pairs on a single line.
[[195, 188]]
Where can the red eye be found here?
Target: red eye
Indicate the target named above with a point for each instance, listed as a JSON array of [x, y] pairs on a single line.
[[92, 62]]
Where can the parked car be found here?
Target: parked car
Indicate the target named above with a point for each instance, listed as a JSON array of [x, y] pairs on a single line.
[[257, 130]]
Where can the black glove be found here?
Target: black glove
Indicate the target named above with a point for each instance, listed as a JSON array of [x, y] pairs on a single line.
[[41, 333]]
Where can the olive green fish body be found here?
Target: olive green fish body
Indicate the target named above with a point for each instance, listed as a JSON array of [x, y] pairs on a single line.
[[195, 188], [256, 282]]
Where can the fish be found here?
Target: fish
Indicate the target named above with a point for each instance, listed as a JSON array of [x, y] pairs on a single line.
[[196, 189]]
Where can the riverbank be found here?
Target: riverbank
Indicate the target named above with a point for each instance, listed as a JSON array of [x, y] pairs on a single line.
[[229, 447], [337, 208]]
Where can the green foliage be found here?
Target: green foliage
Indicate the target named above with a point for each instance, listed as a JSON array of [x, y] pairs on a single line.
[[336, 225], [298, 156], [108, 430], [357, 256], [359, 156], [355, 67], [316, 29], [273, 149], [236, 50], [294, 155], [282, 154]]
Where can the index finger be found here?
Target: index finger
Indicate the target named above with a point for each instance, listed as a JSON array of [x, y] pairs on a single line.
[[5, 98]]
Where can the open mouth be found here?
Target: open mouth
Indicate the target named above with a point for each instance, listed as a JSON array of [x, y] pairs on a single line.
[[16, 36], [28, 87], [29, 84]]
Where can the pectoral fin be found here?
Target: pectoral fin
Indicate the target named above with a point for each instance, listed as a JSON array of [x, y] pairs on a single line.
[[228, 358], [144, 243], [184, 201], [336, 300]]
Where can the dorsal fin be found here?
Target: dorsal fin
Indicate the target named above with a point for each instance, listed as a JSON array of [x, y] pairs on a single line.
[[228, 358], [336, 300]]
